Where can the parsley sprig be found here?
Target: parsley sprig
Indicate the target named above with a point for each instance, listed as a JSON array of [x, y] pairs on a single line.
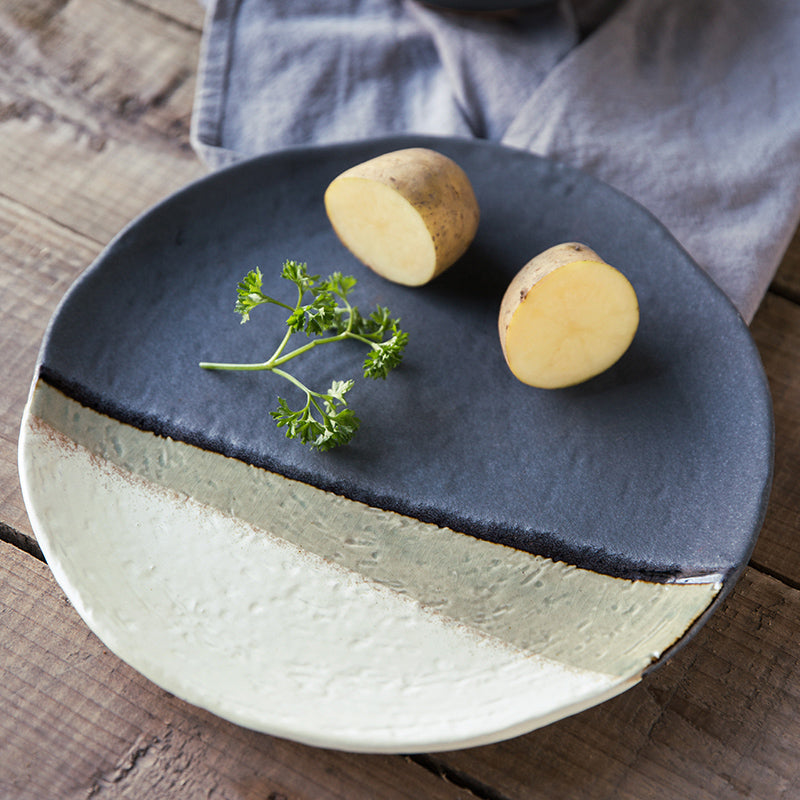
[[325, 315]]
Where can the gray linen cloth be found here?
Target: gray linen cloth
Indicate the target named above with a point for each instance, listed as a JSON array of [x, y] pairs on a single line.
[[691, 107]]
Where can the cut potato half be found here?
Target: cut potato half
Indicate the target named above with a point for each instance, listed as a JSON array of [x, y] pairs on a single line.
[[566, 317], [408, 215]]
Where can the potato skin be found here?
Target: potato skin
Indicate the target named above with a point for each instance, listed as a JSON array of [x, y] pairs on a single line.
[[539, 266], [437, 188]]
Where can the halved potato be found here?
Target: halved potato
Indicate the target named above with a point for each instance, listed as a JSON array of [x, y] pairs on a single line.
[[566, 317], [408, 215]]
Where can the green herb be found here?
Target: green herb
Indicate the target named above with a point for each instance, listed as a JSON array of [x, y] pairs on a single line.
[[324, 313]]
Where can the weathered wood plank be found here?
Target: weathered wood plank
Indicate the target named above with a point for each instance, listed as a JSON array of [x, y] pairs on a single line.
[[776, 329], [718, 721], [787, 280], [87, 49], [189, 13], [88, 150], [78, 723], [93, 131], [93, 186], [40, 260]]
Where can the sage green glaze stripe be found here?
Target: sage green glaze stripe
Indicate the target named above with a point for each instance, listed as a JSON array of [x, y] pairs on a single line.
[[575, 616]]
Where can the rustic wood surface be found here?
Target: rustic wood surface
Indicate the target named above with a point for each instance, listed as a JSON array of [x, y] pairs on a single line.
[[95, 103]]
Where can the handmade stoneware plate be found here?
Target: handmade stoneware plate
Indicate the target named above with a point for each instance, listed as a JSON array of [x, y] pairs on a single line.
[[482, 559]]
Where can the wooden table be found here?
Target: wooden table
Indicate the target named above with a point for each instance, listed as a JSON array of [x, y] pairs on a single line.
[[95, 102]]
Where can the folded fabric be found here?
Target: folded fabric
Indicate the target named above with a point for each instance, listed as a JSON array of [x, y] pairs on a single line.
[[688, 106], [276, 73]]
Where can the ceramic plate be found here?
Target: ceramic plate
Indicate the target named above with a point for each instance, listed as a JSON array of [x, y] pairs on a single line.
[[482, 559]]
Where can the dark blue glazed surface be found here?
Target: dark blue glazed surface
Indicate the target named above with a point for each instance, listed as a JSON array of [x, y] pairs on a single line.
[[658, 468]]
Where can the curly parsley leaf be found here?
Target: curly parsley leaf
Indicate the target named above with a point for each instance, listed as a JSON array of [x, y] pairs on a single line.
[[385, 355], [323, 312]]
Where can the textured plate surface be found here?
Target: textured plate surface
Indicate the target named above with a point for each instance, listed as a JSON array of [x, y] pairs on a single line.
[[642, 490]]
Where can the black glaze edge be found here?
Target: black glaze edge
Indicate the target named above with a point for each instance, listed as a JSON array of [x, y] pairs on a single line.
[[729, 579], [539, 543]]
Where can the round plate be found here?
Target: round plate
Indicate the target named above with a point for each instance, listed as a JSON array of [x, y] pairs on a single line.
[[483, 558]]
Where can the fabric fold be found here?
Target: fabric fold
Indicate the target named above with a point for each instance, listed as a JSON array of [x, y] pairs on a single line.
[[688, 106], [691, 108]]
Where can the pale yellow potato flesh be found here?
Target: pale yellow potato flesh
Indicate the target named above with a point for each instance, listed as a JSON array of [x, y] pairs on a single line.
[[564, 321], [382, 230], [408, 215]]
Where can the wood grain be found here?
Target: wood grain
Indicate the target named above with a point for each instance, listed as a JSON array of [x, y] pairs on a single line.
[[40, 260], [776, 329], [91, 135], [107, 126], [787, 279], [95, 102]]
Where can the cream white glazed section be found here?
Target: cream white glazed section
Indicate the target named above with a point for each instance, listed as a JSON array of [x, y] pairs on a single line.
[[306, 615]]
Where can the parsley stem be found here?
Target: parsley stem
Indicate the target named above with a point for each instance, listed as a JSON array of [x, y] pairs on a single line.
[[299, 384], [275, 362], [280, 348], [364, 339], [277, 359], [231, 366], [265, 298]]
